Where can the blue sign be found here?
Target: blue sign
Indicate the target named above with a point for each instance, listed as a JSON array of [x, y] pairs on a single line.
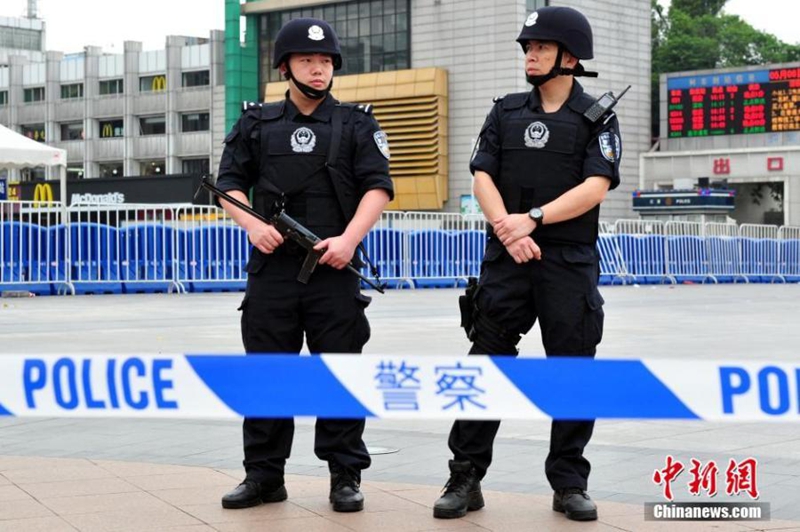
[[3, 189]]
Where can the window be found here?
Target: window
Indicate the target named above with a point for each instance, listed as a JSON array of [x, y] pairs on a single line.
[[34, 94], [112, 169], [111, 128], [151, 167], [152, 125], [74, 90], [3, 98], [72, 131], [111, 86], [153, 83], [20, 39], [374, 35], [533, 5], [194, 122], [33, 131], [195, 79], [74, 172], [195, 166], [33, 174]]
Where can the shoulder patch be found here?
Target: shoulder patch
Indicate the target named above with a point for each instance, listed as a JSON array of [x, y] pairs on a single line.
[[382, 142], [497, 99]]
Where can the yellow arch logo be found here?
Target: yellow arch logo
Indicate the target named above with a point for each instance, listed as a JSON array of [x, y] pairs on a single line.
[[159, 83], [108, 131], [43, 193]]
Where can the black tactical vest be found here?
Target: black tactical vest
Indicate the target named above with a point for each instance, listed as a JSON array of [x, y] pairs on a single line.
[[293, 168], [542, 158]]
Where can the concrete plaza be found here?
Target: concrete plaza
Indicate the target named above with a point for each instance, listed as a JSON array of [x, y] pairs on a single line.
[[80, 474]]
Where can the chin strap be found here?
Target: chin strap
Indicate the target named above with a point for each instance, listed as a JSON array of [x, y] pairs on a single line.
[[310, 92], [578, 71]]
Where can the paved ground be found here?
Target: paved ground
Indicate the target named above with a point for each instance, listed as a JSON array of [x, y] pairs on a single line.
[[110, 474]]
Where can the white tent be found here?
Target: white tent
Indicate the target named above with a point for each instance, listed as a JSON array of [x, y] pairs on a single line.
[[18, 151]]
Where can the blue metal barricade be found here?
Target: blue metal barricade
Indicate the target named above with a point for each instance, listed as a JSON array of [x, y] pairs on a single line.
[[686, 252], [722, 244], [789, 253], [95, 258], [641, 245], [148, 258], [432, 258], [758, 253]]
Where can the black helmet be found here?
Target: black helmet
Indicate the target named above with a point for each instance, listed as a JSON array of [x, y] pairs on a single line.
[[307, 36], [563, 25]]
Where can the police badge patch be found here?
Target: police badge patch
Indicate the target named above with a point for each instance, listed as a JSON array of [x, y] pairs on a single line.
[[536, 135], [531, 19], [610, 146], [315, 33], [382, 142], [303, 140]]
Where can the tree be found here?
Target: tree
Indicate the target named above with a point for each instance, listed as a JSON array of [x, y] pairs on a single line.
[[697, 34]]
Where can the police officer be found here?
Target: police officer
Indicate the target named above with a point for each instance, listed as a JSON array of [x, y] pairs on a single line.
[[327, 163], [541, 170]]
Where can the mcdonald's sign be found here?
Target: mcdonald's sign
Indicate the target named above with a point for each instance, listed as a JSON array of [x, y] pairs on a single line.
[[108, 130], [159, 83], [43, 193]]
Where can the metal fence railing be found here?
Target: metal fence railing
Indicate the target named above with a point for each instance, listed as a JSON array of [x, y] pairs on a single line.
[[48, 249]]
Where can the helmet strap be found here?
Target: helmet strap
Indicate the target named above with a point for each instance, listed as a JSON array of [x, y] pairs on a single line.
[[537, 81], [309, 92], [558, 70]]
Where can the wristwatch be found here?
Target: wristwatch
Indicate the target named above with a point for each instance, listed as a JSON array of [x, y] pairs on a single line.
[[537, 215]]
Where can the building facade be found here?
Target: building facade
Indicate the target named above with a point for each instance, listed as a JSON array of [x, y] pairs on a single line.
[[738, 128], [131, 114], [431, 69]]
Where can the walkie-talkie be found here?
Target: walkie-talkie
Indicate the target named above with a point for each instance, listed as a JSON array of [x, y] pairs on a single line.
[[602, 105]]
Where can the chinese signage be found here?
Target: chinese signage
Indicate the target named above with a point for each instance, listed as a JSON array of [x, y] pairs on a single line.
[[761, 101]]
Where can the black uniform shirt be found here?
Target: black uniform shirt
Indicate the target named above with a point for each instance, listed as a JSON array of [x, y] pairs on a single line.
[[363, 152], [601, 155]]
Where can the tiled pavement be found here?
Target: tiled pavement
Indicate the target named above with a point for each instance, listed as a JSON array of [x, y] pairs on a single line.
[[78, 474], [64, 494]]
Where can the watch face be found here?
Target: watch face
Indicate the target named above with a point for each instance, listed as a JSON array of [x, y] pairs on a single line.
[[536, 213]]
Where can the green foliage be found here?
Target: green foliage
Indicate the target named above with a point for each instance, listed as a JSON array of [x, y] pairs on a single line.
[[697, 35]]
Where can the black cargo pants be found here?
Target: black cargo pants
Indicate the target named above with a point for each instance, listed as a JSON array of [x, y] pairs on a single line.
[[277, 311], [561, 292]]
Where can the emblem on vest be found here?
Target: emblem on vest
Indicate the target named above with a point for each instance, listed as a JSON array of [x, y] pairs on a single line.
[[610, 146], [315, 33], [536, 135], [303, 140]]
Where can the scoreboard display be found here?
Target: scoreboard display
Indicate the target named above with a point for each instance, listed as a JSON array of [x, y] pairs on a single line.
[[734, 103]]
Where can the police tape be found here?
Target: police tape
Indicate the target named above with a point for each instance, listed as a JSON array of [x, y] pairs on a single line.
[[396, 387]]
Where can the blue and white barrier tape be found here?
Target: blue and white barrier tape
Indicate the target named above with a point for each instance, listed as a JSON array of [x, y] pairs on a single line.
[[396, 387]]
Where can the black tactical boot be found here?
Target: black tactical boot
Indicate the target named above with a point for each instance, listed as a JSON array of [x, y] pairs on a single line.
[[346, 493], [575, 503], [462, 492], [250, 493]]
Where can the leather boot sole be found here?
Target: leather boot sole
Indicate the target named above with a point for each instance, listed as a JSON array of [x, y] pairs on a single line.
[[277, 495], [475, 502]]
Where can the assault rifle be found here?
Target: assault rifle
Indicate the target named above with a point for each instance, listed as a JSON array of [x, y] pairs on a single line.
[[290, 229]]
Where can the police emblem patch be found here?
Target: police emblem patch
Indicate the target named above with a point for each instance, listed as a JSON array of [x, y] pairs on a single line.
[[532, 19], [536, 135], [303, 140], [382, 142], [475, 149], [315, 33], [609, 146]]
